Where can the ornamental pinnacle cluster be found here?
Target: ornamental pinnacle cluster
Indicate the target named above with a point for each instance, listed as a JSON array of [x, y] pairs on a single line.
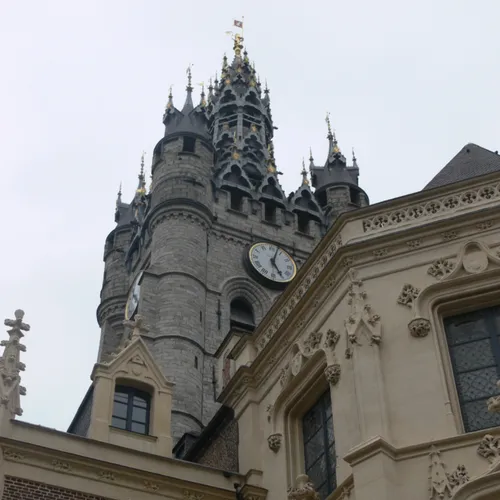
[[215, 239]]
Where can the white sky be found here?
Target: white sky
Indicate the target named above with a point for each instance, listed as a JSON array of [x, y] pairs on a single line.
[[82, 93]]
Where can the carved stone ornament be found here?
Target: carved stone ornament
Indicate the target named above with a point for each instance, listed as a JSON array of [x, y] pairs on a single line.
[[303, 490], [441, 268], [419, 327], [489, 448], [408, 295], [332, 374], [312, 343], [494, 402], [11, 365], [442, 484], [362, 316], [274, 442], [296, 363], [190, 495]]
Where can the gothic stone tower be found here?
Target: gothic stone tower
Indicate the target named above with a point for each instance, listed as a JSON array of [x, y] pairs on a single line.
[[215, 239]]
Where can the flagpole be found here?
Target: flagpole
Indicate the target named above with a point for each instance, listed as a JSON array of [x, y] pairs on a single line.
[[242, 27]]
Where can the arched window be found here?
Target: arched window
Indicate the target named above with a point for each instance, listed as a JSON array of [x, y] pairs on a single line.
[[131, 408], [319, 446], [242, 314], [474, 345]]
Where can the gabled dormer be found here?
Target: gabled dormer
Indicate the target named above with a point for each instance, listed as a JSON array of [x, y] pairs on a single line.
[[132, 400]]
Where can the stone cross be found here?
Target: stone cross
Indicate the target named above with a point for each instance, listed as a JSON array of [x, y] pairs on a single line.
[[11, 366]]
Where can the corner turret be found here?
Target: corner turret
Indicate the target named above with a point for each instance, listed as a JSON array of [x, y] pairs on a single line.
[[336, 183]]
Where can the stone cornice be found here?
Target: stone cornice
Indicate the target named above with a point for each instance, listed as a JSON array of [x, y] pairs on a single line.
[[65, 453], [378, 444]]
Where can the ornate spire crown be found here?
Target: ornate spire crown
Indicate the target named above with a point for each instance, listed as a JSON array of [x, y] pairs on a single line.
[[305, 180], [11, 366], [141, 188]]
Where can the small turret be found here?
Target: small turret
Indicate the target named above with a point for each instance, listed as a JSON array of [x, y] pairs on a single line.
[[336, 183]]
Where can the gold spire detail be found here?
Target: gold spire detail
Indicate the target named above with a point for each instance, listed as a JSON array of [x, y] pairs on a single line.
[[305, 180], [271, 163], [236, 153], [331, 135]]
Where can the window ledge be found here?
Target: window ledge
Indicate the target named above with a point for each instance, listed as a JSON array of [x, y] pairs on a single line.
[[133, 435], [187, 153], [237, 212], [269, 223], [306, 235]]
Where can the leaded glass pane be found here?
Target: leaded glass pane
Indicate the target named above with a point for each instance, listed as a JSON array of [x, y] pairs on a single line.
[[319, 447], [463, 330], [476, 416], [312, 422], [318, 473], [329, 430], [474, 344], [473, 355], [477, 384], [314, 447]]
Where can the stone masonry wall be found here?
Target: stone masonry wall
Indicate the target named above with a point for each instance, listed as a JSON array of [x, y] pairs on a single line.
[[21, 489]]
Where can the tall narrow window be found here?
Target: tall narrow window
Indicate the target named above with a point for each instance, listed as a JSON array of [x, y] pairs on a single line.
[[242, 314], [474, 345], [269, 212], [131, 409], [319, 446], [188, 144]]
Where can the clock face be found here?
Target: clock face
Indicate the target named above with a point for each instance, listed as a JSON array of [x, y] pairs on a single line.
[[133, 298], [272, 262]]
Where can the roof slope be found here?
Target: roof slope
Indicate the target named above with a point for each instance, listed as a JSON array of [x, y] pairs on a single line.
[[471, 161]]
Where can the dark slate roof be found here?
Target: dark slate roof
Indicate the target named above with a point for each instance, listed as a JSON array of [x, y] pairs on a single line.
[[471, 161]]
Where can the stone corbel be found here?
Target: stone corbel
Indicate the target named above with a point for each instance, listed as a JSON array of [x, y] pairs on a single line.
[[303, 489], [274, 442], [419, 327]]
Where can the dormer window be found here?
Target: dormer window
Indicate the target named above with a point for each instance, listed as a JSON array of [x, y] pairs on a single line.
[[131, 408], [269, 213], [303, 223], [188, 144], [236, 201]]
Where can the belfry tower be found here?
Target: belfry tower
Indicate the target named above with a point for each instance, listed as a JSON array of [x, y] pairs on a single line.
[[214, 240]]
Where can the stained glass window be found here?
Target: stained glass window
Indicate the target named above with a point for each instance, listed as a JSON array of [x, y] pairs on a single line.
[[319, 446], [474, 344], [131, 410]]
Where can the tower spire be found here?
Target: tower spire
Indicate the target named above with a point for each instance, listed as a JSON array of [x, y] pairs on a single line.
[[119, 197], [354, 159], [203, 102], [332, 138], [305, 180], [188, 105], [311, 159], [141, 187], [170, 102]]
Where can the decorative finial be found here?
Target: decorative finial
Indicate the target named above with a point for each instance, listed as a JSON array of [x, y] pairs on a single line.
[[10, 366], [141, 188], [305, 181], [170, 102], [203, 102], [311, 159], [189, 88], [119, 197], [327, 119], [354, 159], [271, 162], [236, 153]]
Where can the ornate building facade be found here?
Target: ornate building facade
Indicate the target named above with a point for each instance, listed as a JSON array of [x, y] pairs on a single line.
[[256, 345]]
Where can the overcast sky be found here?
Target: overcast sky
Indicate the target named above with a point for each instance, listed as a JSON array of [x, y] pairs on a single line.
[[82, 93]]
